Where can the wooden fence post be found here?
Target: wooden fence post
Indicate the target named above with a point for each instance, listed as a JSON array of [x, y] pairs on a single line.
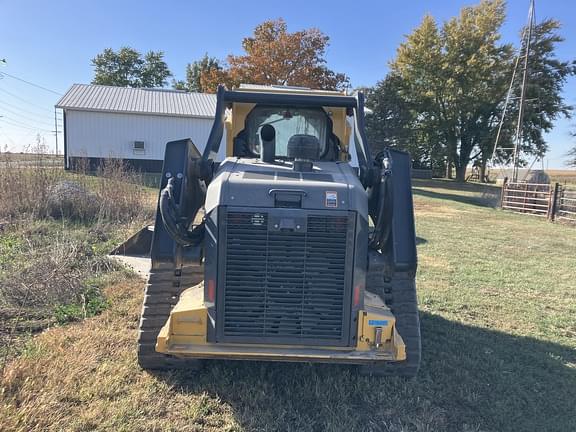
[[503, 192], [553, 202]]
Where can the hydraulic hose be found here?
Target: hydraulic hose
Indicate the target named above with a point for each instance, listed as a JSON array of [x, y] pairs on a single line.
[[175, 224], [384, 206]]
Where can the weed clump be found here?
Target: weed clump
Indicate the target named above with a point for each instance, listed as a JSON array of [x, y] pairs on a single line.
[[92, 303]]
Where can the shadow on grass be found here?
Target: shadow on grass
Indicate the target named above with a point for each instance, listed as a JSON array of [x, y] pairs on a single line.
[[472, 379], [488, 199]]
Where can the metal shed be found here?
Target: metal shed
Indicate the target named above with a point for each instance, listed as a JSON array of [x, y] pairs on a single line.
[[132, 124]]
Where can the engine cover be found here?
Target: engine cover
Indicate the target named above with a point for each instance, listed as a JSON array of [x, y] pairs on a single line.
[[252, 183], [286, 253]]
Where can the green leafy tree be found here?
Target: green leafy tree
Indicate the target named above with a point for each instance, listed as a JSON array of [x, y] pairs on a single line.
[[128, 68], [394, 122], [197, 73], [451, 83], [388, 123], [453, 76]]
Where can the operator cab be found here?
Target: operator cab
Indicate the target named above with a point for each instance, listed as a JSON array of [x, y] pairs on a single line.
[[278, 133]]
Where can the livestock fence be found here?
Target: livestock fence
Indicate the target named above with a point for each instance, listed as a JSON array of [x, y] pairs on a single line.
[[566, 205], [550, 201]]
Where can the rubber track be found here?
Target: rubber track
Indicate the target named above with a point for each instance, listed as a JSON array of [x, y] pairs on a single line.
[[399, 293], [161, 294]]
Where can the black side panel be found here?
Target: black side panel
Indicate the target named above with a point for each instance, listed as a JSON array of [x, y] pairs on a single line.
[[403, 243], [178, 159], [174, 268], [359, 275]]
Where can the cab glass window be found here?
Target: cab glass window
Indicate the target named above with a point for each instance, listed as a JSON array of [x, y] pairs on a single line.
[[286, 122]]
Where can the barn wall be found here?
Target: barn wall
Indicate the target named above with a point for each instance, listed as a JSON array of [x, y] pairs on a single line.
[[111, 135]]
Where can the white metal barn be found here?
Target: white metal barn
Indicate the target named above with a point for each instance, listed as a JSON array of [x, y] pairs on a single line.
[[133, 124]]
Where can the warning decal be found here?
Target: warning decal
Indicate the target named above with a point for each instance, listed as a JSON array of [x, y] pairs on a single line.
[[331, 199]]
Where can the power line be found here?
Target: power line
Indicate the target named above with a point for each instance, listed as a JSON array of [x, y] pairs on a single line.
[[24, 100], [30, 83], [16, 123], [24, 120], [24, 116], [27, 111], [13, 122]]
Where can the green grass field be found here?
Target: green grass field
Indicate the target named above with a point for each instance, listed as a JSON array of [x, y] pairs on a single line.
[[498, 309]]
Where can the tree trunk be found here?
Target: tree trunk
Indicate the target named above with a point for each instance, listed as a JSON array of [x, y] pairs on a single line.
[[448, 168], [461, 173], [464, 157], [483, 171]]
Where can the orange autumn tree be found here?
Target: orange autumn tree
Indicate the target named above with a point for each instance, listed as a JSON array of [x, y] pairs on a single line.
[[274, 56]]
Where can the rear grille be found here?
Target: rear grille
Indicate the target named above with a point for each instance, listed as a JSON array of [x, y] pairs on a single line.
[[285, 287]]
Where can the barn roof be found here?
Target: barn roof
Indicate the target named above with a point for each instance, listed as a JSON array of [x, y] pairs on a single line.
[[89, 97]]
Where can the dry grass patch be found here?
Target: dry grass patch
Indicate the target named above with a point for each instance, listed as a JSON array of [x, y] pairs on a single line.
[[115, 194], [425, 208], [567, 176], [51, 273], [84, 377]]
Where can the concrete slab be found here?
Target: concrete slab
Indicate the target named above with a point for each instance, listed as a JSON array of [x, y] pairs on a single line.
[[140, 264]]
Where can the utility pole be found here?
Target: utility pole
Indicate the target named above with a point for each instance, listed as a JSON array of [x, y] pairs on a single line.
[[523, 94], [56, 130]]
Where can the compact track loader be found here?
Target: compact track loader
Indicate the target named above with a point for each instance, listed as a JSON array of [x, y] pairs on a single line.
[[283, 251]]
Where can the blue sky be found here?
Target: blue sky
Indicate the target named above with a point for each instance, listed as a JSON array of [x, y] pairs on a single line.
[[51, 44]]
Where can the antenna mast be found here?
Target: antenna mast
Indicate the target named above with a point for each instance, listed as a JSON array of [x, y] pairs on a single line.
[[526, 42], [518, 142]]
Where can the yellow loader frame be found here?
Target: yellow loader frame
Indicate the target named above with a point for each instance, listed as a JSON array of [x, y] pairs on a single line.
[[185, 333]]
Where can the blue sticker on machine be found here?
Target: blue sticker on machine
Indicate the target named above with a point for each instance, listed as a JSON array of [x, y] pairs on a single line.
[[379, 323], [331, 199]]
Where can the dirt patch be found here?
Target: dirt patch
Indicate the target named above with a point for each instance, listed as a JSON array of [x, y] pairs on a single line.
[[436, 262], [427, 208]]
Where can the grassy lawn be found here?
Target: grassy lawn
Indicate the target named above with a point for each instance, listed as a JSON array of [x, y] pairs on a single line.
[[498, 312]]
